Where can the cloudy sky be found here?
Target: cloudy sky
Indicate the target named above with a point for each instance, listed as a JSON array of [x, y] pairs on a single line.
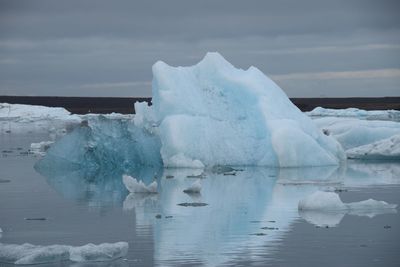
[[311, 48]]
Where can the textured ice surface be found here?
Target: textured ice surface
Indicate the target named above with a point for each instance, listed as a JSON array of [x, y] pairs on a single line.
[[214, 114], [103, 145], [41, 147], [135, 186], [353, 132], [330, 201], [32, 254], [393, 115], [31, 113], [386, 149], [102, 252]]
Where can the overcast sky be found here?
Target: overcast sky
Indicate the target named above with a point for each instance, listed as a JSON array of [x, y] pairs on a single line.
[[311, 48]]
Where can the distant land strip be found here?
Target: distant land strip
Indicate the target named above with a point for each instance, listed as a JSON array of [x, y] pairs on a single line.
[[124, 105]]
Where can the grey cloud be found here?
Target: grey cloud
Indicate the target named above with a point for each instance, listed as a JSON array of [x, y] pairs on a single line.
[[108, 47]]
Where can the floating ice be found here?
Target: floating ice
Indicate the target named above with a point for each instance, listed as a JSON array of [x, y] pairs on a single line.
[[353, 132], [329, 201], [135, 186], [41, 147], [388, 148], [101, 145], [356, 113], [32, 254], [195, 188], [31, 113], [214, 114], [102, 252], [205, 115]]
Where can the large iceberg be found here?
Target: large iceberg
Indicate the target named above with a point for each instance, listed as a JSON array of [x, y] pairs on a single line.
[[202, 116], [214, 114]]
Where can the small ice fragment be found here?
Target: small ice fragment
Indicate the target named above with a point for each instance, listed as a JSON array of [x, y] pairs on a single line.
[[102, 252], [195, 188], [330, 201], [135, 186]]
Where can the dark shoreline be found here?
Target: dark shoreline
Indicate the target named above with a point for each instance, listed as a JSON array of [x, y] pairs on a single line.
[[124, 105]]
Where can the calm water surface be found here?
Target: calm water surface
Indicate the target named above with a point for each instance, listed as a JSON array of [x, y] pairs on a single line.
[[251, 218]]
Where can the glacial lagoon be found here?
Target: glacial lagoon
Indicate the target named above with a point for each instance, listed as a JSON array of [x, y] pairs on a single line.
[[251, 217]]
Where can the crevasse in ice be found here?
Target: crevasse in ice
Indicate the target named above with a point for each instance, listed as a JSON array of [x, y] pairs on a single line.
[[205, 115]]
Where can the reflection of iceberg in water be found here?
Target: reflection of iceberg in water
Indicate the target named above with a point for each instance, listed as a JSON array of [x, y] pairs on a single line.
[[239, 206]]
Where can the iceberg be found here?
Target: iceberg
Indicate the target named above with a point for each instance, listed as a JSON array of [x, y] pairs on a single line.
[[386, 149], [209, 114], [32, 254], [214, 114]]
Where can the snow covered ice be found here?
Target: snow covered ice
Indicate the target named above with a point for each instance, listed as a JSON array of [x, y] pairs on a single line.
[[33, 254]]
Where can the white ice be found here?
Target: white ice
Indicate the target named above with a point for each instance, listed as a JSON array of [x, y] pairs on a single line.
[[354, 132], [330, 201], [33, 254], [387, 149], [214, 114], [32, 113], [356, 113], [41, 147], [135, 186]]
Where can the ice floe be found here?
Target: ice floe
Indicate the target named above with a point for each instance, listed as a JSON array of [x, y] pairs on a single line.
[[393, 115], [34, 254], [386, 149]]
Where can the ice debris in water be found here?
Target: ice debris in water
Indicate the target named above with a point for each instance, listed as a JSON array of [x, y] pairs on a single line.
[[195, 188], [330, 201], [386, 149], [135, 186], [32, 254]]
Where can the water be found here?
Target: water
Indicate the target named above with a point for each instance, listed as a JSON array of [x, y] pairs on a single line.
[[251, 218]]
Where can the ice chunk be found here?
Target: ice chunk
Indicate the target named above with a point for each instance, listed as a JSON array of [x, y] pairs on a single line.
[[32, 254], [102, 252], [214, 114], [319, 200], [354, 132], [329, 201], [393, 115], [135, 186], [41, 147], [195, 188], [384, 149]]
